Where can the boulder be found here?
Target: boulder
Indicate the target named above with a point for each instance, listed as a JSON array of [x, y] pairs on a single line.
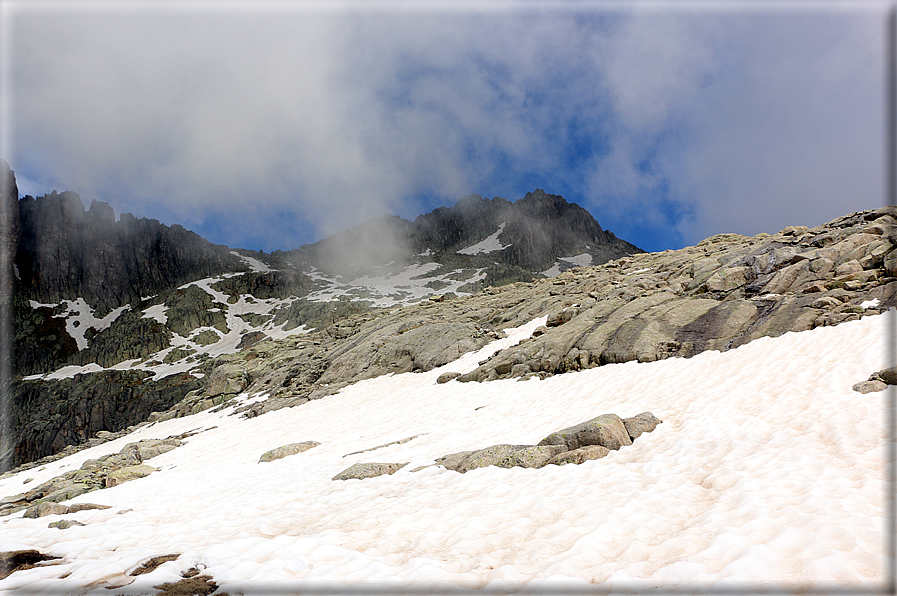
[[127, 473], [530, 457], [870, 386], [888, 375], [465, 461], [45, 508], [368, 470], [64, 524], [561, 317], [642, 423], [286, 450], [85, 506], [825, 302], [446, 377], [578, 456], [227, 378], [606, 430]]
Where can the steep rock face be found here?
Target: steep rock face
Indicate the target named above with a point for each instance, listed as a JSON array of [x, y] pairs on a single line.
[[84, 405], [10, 225], [65, 252]]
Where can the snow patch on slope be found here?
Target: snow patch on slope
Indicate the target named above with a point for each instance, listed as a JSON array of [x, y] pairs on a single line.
[[490, 244], [252, 263], [583, 260], [79, 318], [757, 475], [404, 287], [156, 312]]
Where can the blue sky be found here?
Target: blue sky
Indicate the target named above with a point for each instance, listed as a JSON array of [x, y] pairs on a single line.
[[269, 125]]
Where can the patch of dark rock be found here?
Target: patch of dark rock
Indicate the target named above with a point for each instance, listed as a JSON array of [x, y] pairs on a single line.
[[94, 474], [250, 339], [17, 560], [153, 563], [191, 585]]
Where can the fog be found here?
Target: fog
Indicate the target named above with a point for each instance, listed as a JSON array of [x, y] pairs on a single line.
[[271, 125]]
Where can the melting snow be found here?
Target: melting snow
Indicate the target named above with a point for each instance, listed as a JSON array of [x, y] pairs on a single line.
[[156, 312], [79, 318], [392, 289], [253, 264], [583, 260], [757, 476], [490, 244], [553, 271], [869, 303], [36, 304]]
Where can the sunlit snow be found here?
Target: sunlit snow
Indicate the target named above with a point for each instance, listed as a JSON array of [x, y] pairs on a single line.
[[407, 286], [157, 313], [768, 470], [490, 244], [253, 264]]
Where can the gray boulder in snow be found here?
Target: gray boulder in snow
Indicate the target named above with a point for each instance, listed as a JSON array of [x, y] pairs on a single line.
[[870, 386], [578, 456], [642, 423], [64, 524], [368, 470], [45, 508], [446, 377], [502, 456], [286, 450], [606, 430]]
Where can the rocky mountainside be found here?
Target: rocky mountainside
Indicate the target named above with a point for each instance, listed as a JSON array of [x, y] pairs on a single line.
[[501, 240], [108, 311], [725, 292]]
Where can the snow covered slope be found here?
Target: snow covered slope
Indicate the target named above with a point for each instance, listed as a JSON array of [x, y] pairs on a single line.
[[767, 471]]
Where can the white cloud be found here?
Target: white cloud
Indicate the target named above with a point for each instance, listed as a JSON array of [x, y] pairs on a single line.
[[335, 116]]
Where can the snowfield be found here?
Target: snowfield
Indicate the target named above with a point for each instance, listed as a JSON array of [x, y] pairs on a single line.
[[768, 472]]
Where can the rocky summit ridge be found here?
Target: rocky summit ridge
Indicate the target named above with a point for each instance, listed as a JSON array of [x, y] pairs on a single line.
[[720, 294]]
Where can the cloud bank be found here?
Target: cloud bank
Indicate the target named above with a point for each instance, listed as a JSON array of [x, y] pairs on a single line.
[[269, 125]]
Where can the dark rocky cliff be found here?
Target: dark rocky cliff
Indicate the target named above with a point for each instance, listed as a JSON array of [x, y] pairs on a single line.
[[66, 252]]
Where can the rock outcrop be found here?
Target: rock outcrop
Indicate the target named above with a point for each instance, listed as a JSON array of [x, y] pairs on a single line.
[[368, 470], [95, 474], [85, 405], [878, 381], [592, 439]]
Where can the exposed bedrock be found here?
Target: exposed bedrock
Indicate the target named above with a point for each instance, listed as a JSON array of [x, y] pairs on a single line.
[[723, 293], [86, 405]]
